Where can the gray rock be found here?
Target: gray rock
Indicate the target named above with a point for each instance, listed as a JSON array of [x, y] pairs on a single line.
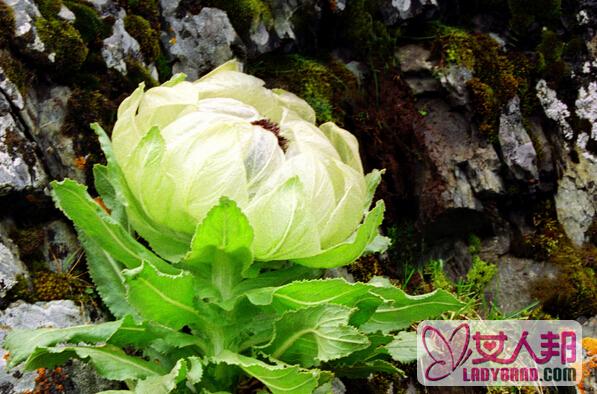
[[61, 248], [482, 171], [106, 7], [394, 11], [66, 14], [58, 314], [20, 168], [576, 202], [510, 287], [589, 328], [11, 93], [86, 381], [449, 146], [11, 266], [423, 85], [199, 42], [27, 38], [517, 147], [358, 69], [120, 47], [545, 155], [495, 246], [414, 59], [44, 114], [285, 11], [454, 78]]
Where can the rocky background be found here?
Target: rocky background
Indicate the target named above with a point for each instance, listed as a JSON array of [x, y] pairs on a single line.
[[483, 113]]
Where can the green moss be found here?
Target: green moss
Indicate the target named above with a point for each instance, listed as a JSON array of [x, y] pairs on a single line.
[[573, 292], [137, 73], [361, 30], [524, 13], [65, 41], [7, 21], [29, 241], [16, 71], [49, 286], [323, 86], [487, 108], [91, 27], [164, 68], [243, 14], [148, 9], [496, 77], [148, 38], [22, 290], [550, 46], [86, 107], [474, 244], [49, 8]]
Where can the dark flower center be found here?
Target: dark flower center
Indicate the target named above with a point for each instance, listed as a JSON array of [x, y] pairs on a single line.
[[274, 128]]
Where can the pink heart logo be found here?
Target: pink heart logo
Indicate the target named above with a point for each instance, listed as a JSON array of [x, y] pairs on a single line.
[[447, 354], [489, 345]]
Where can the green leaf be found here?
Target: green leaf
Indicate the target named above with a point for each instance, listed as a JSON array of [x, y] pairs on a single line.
[[375, 350], [310, 335], [304, 294], [364, 369], [404, 347], [279, 379], [107, 276], [195, 372], [163, 384], [350, 250], [103, 185], [401, 310], [94, 222], [21, 343], [165, 242], [221, 250], [166, 299], [109, 361], [225, 228], [373, 179]]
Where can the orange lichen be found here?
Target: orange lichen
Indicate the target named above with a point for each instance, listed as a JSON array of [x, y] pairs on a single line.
[[589, 366]]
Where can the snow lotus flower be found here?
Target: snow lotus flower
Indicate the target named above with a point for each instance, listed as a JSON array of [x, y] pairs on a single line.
[[182, 146]]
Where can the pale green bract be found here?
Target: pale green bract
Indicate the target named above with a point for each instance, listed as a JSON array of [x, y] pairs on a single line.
[[184, 145], [237, 227]]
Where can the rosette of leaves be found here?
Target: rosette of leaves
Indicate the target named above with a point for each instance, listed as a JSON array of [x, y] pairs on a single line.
[[201, 322]]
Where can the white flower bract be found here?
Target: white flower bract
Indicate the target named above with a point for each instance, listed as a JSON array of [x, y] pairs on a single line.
[[184, 145]]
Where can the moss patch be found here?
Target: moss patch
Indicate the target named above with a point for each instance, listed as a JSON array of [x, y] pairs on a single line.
[[496, 77], [49, 8], [164, 68], [91, 27], [323, 85], [148, 9], [243, 14], [48, 286], [148, 38], [362, 30], [524, 13], [16, 71], [65, 41], [574, 292], [7, 21]]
